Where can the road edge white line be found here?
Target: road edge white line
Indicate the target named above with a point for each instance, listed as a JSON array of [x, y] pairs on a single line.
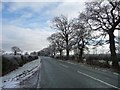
[[115, 73], [98, 80]]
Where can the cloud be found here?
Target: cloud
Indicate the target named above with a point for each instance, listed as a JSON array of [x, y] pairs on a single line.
[[70, 9], [34, 6], [42, 0], [21, 19], [24, 20], [25, 38], [25, 14], [36, 12]]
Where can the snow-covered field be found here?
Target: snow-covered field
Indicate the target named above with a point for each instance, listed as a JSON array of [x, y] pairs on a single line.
[[13, 79]]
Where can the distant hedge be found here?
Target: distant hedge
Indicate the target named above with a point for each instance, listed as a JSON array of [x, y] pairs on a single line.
[[101, 60], [105, 57], [12, 62]]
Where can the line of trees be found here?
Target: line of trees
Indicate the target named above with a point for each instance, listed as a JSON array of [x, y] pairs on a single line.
[[101, 17]]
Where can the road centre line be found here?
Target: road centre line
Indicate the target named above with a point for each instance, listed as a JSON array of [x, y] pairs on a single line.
[[64, 65], [98, 80], [61, 60], [71, 63]]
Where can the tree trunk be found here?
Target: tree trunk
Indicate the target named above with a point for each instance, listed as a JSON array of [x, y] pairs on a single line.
[[15, 53], [81, 51], [67, 48], [60, 53], [112, 50], [54, 54], [81, 54], [67, 53]]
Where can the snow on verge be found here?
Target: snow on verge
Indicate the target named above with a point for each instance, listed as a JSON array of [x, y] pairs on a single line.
[[13, 79]]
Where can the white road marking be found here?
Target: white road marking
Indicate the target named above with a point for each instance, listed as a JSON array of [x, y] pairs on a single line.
[[99, 80], [104, 70], [61, 60], [71, 63], [116, 73], [64, 65]]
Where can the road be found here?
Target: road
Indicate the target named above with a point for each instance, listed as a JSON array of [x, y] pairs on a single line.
[[61, 74]]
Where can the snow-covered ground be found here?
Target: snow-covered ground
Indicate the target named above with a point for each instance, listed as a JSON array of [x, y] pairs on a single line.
[[13, 79]]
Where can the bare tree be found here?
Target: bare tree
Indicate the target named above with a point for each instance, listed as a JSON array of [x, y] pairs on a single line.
[[52, 49], [66, 31], [26, 53], [82, 35], [105, 17], [58, 42], [15, 49], [44, 52]]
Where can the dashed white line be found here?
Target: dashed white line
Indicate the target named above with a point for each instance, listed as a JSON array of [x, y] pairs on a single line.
[[116, 73], [64, 65], [98, 80], [61, 60], [71, 63], [104, 70]]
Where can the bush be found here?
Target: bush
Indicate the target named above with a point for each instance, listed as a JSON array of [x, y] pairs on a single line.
[[8, 66], [12, 62], [33, 57]]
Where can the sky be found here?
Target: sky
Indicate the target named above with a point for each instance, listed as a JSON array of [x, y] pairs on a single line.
[[26, 23]]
